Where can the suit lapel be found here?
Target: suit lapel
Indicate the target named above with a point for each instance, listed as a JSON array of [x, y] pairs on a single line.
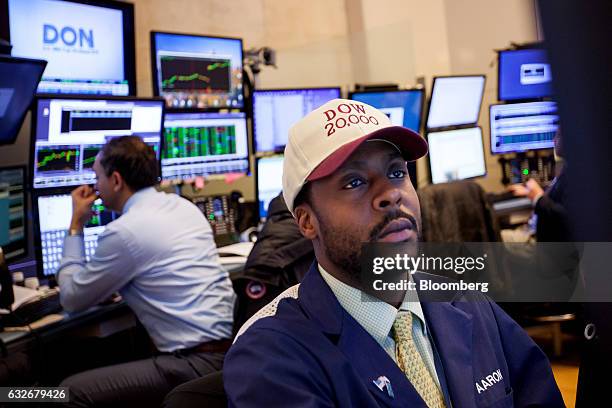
[[371, 361], [319, 303], [451, 331]]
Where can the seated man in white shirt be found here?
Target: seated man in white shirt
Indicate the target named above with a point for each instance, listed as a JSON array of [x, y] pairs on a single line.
[[161, 257]]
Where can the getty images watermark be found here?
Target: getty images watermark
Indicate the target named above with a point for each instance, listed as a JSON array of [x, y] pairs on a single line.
[[504, 272], [404, 264]]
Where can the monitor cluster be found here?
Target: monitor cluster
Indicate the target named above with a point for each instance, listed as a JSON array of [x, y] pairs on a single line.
[[197, 121], [527, 119], [456, 149]]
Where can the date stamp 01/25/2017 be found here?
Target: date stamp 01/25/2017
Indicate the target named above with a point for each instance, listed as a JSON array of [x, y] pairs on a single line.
[[34, 394]]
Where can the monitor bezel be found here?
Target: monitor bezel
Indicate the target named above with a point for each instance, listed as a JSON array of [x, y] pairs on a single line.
[[484, 156], [129, 43], [499, 65], [187, 112], [6, 58], [261, 153], [256, 172], [420, 90], [456, 126], [153, 54], [26, 194], [34, 125], [491, 135]]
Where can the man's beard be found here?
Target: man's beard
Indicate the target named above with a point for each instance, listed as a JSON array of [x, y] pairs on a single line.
[[342, 245]]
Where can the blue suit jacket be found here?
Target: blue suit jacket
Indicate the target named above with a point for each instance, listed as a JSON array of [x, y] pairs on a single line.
[[312, 353]]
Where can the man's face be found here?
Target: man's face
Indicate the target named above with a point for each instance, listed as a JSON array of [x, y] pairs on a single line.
[[370, 198], [104, 185]]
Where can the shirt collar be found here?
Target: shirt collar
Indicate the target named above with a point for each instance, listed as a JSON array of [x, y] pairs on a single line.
[[374, 315], [136, 197]]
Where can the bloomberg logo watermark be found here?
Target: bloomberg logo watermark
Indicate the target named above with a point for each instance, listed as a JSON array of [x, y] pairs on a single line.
[[68, 39]]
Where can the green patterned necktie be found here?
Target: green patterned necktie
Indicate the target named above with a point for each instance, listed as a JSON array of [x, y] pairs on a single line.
[[411, 363]]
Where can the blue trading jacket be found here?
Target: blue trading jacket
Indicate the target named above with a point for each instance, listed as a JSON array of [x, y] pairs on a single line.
[[311, 353]]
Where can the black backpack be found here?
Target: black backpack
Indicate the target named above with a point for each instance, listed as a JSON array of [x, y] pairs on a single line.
[[279, 259]]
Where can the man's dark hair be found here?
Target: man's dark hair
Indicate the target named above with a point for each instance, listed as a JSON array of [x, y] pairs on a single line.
[[133, 159]]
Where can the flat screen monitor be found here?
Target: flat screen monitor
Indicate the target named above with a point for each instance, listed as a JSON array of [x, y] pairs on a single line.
[[204, 144], [198, 72], [13, 212], [18, 80], [456, 155], [524, 74], [517, 127], [404, 108], [53, 213], [276, 110], [68, 133], [269, 181], [455, 101], [89, 45]]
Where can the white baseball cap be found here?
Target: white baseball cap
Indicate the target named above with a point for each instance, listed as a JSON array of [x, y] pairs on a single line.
[[321, 141]]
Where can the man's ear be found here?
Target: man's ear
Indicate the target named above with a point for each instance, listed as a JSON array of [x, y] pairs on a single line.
[[307, 221], [116, 181]]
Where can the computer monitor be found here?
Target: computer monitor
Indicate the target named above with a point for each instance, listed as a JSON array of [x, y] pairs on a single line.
[[524, 74], [195, 71], [276, 110], [18, 80], [456, 155], [53, 213], [89, 45], [68, 133], [455, 101], [13, 212], [404, 107], [269, 178], [204, 144], [517, 127], [222, 213]]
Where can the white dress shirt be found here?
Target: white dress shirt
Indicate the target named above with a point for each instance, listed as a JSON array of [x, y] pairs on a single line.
[[161, 257]]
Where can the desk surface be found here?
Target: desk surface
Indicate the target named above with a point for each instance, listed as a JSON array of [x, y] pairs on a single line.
[[18, 340], [93, 316]]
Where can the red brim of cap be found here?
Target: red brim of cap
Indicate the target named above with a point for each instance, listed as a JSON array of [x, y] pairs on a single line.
[[412, 147]]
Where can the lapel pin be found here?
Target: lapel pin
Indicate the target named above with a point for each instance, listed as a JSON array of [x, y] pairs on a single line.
[[383, 382]]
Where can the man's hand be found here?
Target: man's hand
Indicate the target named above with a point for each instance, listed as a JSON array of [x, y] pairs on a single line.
[[531, 190], [82, 199]]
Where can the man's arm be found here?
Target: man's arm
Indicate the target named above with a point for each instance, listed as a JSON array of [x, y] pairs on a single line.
[[269, 369], [531, 377], [86, 284]]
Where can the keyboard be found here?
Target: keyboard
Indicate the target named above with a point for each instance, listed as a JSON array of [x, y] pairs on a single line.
[[30, 312], [513, 204], [52, 243], [507, 202]]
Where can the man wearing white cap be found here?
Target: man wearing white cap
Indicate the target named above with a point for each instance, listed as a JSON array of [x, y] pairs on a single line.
[[326, 342]]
